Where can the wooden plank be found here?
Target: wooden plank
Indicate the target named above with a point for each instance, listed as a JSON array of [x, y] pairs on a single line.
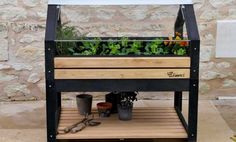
[[129, 135], [122, 62], [136, 110], [111, 120], [135, 114], [137, 120], [164, 125], [150, 109], [122, 73], [150, 123]]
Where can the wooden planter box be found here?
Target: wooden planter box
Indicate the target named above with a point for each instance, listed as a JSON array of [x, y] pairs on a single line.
[[103, 74], [122, 67]]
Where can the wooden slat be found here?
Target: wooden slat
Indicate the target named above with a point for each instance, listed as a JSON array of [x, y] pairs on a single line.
[[121, 62], [166, 125], [156, 122], [136, 109], [122, 73], [135, 114], [151, 120]]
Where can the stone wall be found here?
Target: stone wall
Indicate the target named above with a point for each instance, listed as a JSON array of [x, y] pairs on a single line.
[[22, 25]]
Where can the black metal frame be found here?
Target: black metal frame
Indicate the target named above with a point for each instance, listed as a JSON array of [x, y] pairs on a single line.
[[55, 87]]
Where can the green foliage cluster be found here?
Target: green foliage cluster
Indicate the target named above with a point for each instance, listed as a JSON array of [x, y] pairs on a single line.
[[65, 32], [122, 46]]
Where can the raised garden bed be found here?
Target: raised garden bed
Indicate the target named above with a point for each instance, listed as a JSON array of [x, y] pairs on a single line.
[[124, 64]]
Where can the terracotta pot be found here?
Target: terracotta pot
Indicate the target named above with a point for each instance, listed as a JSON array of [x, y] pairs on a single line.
[[104, 109]]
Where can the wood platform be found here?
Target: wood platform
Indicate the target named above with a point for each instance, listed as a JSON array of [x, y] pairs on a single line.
[[146, 123]]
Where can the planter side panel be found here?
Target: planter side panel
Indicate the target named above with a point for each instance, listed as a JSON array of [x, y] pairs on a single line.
[[122, 62], [122, 73], [122, 67]]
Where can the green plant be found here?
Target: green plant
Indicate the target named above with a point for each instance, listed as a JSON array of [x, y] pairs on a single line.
[[90, 47], [124, 42], [180, 51], [155, 47], [114, 47], [127, 99], [135, 48], [105, 50], [65, 32]]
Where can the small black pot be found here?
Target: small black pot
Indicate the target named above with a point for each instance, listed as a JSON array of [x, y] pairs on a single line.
[[114, 99], [125, 113], [84, 103]]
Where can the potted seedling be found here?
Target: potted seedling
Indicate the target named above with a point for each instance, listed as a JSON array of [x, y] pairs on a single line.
[[125, 106]]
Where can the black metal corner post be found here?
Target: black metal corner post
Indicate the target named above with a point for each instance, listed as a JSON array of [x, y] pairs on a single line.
[[58, 93], [179, 23], [192, 30], [52, 103]]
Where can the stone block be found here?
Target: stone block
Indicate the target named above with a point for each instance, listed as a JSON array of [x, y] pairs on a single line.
[[34, 78], [4, 50], [221, 3]]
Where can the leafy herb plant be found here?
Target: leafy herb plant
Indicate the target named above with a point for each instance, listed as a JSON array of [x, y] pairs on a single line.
[[90, 47], [65, 32]]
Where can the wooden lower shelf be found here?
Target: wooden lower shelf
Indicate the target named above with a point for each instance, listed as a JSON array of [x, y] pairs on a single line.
[[146, 123]]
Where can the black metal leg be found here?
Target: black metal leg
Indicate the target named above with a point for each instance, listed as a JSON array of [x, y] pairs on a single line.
[[193, 111], [52, 102], [193, 35], [58, 113], [52, 115], [178, 100], [59, 100]]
